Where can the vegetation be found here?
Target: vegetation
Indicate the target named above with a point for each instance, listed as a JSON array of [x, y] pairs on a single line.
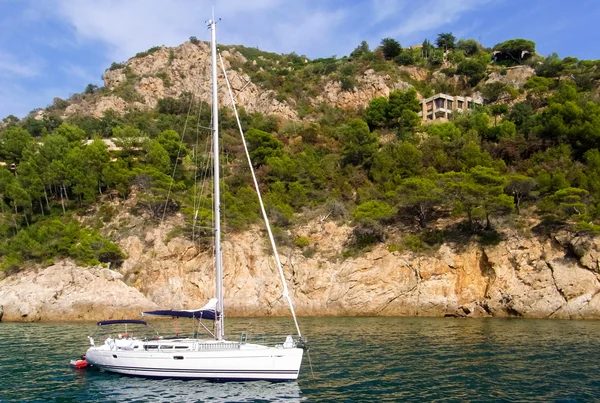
[[461, 179]]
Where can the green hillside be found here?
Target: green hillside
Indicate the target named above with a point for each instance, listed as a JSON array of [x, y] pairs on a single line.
[[527, 160]]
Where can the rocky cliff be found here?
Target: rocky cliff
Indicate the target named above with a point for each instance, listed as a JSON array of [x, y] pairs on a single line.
[[170, 72], [552, 277]]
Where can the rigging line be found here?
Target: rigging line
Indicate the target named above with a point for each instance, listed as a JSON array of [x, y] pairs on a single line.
[[204, 169], [310, 364], [177, 159], [238, 92], [286, 293], [196, 197]]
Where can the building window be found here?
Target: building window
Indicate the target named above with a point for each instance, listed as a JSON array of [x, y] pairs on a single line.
[[460, 104], [450, 104], [470, 104], [439, 103]]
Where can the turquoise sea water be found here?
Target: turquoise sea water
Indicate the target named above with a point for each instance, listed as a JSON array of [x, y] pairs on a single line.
[[353, 360]]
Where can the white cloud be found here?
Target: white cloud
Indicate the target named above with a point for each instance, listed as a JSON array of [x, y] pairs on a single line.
[[84, 33], [75, 70], [12, 67], [128, 27], [316, 28], [384, 9], [432, 15]]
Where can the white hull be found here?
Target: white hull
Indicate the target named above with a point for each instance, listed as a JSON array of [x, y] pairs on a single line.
[[203, 360]]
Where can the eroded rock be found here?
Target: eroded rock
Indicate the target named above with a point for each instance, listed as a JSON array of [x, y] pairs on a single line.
[[517, 278]]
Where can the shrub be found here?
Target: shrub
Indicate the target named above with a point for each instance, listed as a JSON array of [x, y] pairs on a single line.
[[302, 242], [367, 233], [348, 83], [116, 66], [54, 238], [374, 211], [412, 242]]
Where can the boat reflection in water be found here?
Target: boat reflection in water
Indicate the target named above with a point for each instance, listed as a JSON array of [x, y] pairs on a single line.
[[138, 389]]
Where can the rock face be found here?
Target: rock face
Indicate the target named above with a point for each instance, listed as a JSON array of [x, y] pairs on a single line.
[[66, 292], [515, 76], [520, 277], [371, 85], [170, 72]]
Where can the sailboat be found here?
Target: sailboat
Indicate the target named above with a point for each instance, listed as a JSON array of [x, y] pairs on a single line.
[[211, 357]]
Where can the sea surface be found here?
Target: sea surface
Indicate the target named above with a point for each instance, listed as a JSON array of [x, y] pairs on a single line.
[[352, 359]]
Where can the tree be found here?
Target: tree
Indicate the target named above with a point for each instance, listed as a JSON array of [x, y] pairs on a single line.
[[56, 175], [445, 41], [395, 162], [478, 192], [403, 109], [91, 89], [96, 157], [361, 51], [11, 120], [461, 189], [504, 130], [469, 47], [128, 138], [552, 66], [13, 141], [54, 147], [262, 145], [28, 177], [521, 114], [20, 199], [375, 211], [406, 58], [572, 201], [426, 48], [520, 187], [419, 196], [514, 51], [498, 110], [538, 85], [116, 175], [494, 91], [153, 187], [494, 201], [359, 143], [84, 184], [171, 142], [72, 133], [436, 57], [376, 112], [473, 68], [446, 131], [391, 48]]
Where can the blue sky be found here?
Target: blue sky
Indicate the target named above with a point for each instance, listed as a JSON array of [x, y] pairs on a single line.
[[54, 48]]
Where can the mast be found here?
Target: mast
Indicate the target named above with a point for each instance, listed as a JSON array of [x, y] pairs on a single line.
[[219, 320]]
